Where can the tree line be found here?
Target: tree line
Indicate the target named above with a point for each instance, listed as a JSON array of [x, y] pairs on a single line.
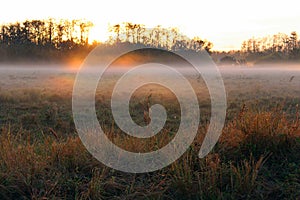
[[278, 46], [166, 38], [42, 39], [56, 33], [57, 39], [54, 39]]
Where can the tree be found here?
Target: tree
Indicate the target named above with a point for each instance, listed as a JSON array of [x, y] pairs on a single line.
[[84, 30], [116, 29], [294, 40]]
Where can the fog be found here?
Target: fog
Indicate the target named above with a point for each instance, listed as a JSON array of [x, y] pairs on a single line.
[[265, 80]]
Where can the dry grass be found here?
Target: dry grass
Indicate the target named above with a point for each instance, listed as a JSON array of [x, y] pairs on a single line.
[[41, 157], [59, 168]]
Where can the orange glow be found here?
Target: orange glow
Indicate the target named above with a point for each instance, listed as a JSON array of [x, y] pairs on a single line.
[[126, 61], [74, 64]]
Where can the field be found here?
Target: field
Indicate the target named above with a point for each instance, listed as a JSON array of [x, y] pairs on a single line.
[[257, 156]]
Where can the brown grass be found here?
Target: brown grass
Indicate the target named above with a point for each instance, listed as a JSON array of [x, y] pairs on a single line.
[[46, 160]]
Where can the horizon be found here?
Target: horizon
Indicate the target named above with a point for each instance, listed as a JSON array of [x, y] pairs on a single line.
[[226, 25]]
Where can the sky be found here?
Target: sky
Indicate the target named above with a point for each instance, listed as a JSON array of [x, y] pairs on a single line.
[[225, 23]]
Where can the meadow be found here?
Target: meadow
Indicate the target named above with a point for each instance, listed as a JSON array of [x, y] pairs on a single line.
[[257, 156]]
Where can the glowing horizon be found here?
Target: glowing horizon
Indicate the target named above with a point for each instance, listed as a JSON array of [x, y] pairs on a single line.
[[225, 23]]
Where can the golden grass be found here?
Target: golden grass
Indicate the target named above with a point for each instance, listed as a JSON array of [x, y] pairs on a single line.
[[46, 160]]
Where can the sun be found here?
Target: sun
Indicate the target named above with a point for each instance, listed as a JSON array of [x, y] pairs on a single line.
[[98, 33]]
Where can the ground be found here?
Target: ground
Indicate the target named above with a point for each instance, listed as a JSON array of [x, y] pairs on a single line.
[[257, 156]]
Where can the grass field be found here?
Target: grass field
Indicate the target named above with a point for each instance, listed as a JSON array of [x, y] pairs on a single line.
[[257, 156]]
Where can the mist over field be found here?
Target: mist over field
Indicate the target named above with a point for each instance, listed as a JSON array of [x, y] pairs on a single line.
[[267, 80]]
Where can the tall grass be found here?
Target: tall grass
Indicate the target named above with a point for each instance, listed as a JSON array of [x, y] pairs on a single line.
[[257, 157]]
